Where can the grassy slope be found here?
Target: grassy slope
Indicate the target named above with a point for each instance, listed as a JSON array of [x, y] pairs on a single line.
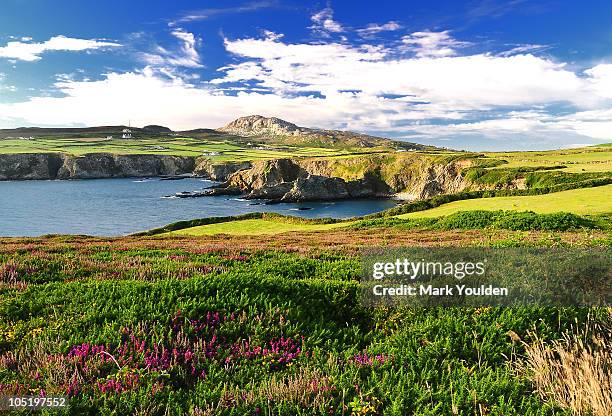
[[68, 291], [579, 201], [254, 227], [588, 159]]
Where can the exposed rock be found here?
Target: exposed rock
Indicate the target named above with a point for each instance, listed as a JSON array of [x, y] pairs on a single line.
[[30, 166], [258, 125], [216, 171], [277, 191], [268, 173], [105, 165], [91, 166], [314, 187]]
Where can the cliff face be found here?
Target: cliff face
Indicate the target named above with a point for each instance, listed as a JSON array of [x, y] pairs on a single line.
[[215, 171], [360, 177], [104, 165], [30, 166], [408, 176]]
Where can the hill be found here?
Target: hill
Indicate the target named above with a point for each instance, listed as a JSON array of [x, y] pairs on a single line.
[[254, 130], [274, 130]]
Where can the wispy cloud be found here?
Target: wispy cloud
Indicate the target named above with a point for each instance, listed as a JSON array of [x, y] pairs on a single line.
[[324, 23], [526, 48], [203, 14], [31, 51], [374, 28], [185, 56], [433, 44], [498, 8]]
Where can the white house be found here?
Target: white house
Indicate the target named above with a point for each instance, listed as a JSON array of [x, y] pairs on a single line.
[[127, 134]]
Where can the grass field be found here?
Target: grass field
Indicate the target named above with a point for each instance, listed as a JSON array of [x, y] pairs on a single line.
[[586, 159], [588, 201], [254, 227], [595, 200], [168, 146]]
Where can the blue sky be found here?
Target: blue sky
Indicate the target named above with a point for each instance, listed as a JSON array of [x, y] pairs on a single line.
[[478, 74]]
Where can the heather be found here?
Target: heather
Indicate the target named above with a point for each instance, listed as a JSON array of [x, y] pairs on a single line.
[[238, 326]]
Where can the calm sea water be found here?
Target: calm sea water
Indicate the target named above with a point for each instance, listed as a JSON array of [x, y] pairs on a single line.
[[112, 207]]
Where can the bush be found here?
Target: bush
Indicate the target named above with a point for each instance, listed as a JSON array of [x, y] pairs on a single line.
[[479, 219]]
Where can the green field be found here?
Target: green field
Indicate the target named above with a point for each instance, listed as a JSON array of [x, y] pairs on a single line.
[[184, 146], [595, 200], [586, 159], [254, 227], [587, 201]]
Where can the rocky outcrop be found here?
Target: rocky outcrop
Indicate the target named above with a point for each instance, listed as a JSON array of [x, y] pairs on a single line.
[[286, 180], [369, 176], [106, 165], [216, 171], [258, 125], [333, 179]]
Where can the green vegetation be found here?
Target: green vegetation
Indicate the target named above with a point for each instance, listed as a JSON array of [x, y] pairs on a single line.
[[587, 159], [175, 326], [254, 227], [497, 220], [595, 200], [227, 150]]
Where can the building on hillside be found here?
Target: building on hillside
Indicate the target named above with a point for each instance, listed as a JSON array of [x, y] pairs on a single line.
[[127, 134]]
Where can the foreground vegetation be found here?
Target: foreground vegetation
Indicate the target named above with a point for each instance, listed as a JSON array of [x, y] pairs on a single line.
[[237, 325]]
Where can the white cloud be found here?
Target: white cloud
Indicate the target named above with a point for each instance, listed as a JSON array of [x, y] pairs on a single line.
[[522, 49], [27, 51], [600, 77], [186, 56], [430, 93], [433, 44], [148, 97], [324, 23], [374, 28], [468, 82]]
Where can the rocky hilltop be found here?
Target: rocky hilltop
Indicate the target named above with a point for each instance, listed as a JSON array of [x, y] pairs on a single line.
[[258, 125], [273, 130]]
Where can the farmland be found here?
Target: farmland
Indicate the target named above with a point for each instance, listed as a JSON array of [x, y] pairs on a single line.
[[589, 159], [218, 148], [594, 200]]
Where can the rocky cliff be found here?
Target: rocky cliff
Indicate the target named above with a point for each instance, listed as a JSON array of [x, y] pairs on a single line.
[[218, 171], [258, 125], [358, 177], [92, 166], [406, 175]]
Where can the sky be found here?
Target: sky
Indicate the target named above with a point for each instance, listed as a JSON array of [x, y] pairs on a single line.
[[476, 74]]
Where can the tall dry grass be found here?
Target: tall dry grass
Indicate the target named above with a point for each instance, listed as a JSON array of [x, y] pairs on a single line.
[[574, 372]]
